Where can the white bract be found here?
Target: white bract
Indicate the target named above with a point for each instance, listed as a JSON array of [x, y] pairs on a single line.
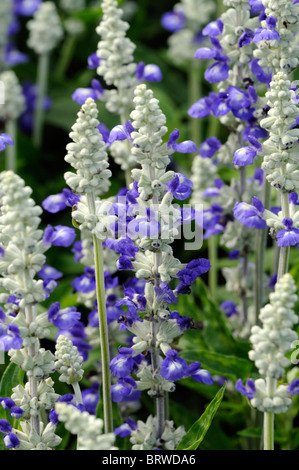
[[281, 148], [45, 29], [14, 100], [88, 428]]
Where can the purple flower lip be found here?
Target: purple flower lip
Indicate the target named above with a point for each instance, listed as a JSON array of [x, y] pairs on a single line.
[[188, 146], [173, 21], [5, 140], [263, 34], [244, 156], [249, 390]]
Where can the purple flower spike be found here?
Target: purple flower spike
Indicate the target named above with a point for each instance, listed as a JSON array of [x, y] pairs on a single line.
[[244, 156], [16, 412], [65, 318], [209, 147], [7, 403], [200, 375], [93, 61], [122, 364], [55, 203], [59, 235], [121, 132], [5, 140], [214, 28], [173, 21], [173, 367], [81, 95], [11, 441], [229, 307], [126, 429], [249, 391], [263, 34], [205, 53], [289, 236], [5, 426], [200, 109], [193, 269], [123, 389], [150, 72], [180, 187], [293, 388], [217, 72], [26, 7], [85, 283], [250, 216], [183, 147]]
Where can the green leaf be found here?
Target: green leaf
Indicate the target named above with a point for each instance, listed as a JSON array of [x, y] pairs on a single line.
[[197, 432], [216, 331], [231, 367], [255, 433], [11, 377]]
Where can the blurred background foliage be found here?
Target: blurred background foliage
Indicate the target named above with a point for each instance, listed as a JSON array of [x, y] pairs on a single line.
[[211, 342]]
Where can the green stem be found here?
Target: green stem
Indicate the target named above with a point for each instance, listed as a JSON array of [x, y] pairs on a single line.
[[261, 241], [195, 92], [269, 418], [65, 56], [103, 325], [42, 85], [30, 315], [212, 249], [123, 119], [271, 383], [101, 300], [78, 394], [10, 152]]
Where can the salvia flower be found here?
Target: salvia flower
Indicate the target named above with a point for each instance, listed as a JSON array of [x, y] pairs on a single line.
[[45, 29], [173, 367]]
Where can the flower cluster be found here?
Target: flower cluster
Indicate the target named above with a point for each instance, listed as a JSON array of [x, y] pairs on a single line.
[[154, 228], [45, 29], [21, 327], [270, 344]]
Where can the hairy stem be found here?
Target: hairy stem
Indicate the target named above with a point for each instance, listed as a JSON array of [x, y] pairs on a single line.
[[10, 152], [261, 241], [194, 89], [103, 325], [271, 383], [42, 85], [30, 315], [67, 52]]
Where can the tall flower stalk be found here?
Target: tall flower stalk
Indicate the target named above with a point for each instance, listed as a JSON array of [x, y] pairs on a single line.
[[23, 246], [154, 222], [45, 33], [10, 111], [87, 154]]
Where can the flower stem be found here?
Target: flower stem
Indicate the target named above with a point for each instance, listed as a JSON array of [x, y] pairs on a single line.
[[103, 325], [42, 85], [271, 383], [78, 394], [160, 399], [212, 249], [10, 153], [30, 315], [269, 418], [261, 240], [65, 56], [123, 119], [194, 89]]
